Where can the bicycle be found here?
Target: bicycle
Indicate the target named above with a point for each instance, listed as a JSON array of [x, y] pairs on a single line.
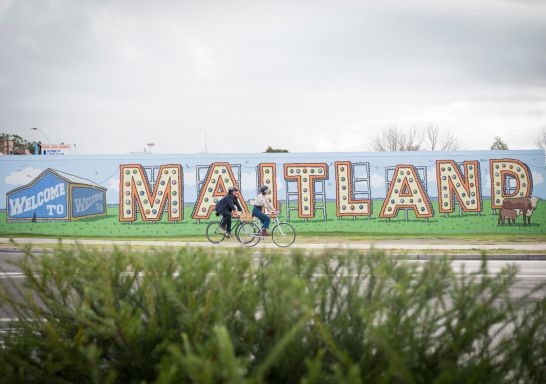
[[282, 233], [215, 234], [248, 233]]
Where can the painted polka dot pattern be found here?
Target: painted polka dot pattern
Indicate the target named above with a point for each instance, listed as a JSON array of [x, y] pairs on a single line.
[[218, 181], [266, 173], [509, 178], [346, 205], [306, 174], [134, 187], [405, 191], [455, 184]]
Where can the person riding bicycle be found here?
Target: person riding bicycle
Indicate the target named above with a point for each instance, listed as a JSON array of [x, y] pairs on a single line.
[[225, 206], [260, 204]]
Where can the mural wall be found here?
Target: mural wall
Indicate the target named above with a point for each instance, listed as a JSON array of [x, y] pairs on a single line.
[[355, 192]]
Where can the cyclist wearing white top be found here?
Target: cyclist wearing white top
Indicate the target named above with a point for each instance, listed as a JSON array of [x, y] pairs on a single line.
[[261, 203]]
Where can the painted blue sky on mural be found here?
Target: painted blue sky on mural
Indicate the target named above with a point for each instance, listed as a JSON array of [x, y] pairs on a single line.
[[103, 170]]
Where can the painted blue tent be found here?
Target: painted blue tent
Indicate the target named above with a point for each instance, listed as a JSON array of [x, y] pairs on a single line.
[[56, 195]]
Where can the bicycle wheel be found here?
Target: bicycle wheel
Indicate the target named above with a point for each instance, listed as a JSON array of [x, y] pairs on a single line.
[[283, 235], [215, 234], [249, 234]]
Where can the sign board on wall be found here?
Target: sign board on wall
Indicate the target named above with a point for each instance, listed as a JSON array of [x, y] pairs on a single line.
[[402, 187], [56, 149]]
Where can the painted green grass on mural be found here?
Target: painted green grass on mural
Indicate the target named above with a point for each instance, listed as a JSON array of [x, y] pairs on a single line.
[[109, 226]]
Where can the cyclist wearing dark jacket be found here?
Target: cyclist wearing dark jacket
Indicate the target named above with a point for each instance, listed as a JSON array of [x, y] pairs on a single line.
[[225, 206]]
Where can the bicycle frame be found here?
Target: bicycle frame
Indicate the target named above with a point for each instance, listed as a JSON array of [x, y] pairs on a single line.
[[276, 223]]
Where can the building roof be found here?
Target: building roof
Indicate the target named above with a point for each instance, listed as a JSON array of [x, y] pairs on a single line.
[[75, 179], [72, 179]]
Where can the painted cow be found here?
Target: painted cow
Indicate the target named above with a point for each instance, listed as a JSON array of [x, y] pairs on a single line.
[[523, 204], [507, 214]]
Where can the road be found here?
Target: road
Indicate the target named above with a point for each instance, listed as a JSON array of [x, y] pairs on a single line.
[[531, 273]]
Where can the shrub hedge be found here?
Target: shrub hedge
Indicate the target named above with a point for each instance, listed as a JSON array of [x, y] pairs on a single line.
[[211, 316]]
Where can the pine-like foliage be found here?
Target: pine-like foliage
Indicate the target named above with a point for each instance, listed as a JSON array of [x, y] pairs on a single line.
[[206, 316]]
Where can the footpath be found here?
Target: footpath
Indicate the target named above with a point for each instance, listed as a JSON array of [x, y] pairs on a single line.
[[415, 247]]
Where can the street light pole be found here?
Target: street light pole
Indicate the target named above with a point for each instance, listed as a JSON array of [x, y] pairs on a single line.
[[43, 133]]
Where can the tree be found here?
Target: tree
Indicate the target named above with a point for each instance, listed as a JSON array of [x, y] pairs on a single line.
[[415, 139], [499, 145], [541, 139], [275, 150], [15, 144], [438, 142], [394, 139]]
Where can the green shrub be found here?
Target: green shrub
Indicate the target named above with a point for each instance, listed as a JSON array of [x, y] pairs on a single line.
[[206, 316]]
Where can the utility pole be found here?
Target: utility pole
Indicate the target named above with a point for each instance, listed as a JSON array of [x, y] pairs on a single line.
[[43, 133], [206, 149]]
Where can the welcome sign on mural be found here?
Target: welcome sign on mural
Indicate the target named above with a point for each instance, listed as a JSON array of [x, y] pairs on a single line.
[[306, 187], [55, 195]]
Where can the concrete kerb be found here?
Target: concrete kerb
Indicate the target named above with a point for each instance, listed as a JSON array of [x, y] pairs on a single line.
[[421, 250]]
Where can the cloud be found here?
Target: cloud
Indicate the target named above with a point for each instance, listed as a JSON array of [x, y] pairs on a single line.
[[537, 178], [330, 79], [189, 178], [4, 7], [377, 180], [248, 181], [202, 58], [113, 184], [22, 176]]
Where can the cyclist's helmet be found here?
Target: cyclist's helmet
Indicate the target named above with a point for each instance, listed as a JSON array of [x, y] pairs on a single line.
[[263, 188], [232, 190]]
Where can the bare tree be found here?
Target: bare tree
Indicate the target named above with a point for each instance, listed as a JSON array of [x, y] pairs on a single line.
[[415, 139], [391, 139], [450, 142], [438, 142], [432, 134], [541, 139]]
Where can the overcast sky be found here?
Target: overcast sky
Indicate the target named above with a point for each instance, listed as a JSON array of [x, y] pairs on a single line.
[[315, 75]]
